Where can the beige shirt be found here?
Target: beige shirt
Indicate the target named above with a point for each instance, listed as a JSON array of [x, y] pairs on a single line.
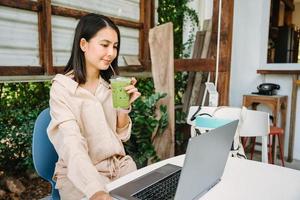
[[83, 130]]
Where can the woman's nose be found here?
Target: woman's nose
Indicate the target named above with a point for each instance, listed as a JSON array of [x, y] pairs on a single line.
[[111, 51]]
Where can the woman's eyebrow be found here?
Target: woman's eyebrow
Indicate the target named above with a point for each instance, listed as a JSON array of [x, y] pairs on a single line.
[[108, 41]]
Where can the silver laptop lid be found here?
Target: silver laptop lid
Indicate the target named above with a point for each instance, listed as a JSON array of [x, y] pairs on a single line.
[[205, 160]]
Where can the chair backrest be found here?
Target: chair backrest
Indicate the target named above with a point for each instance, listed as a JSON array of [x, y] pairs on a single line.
[[43, 153], [225, 112], [193, 109], [257, 124], [212, 117]]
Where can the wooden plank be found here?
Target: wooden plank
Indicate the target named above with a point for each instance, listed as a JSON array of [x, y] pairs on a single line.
[[146, 20], [141, 32], [21, 4], [48, 36], [45, 36], [292, 119], [194, 65], [198, 90], [15, 70], [59, 70], [225, 47], [198, 46], [70, 12], [152, 20], [265, 71], [162, 57]]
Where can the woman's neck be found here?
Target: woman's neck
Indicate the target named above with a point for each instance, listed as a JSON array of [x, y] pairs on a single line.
[[92, 79], [92, 74]]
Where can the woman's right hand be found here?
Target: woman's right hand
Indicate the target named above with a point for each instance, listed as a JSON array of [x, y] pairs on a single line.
[[101, 195]]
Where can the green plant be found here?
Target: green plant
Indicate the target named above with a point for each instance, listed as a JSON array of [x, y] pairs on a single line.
[[20, 104], [145, 122], [176, 11]]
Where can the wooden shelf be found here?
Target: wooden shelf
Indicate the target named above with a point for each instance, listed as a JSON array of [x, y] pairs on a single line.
[[267, 71]]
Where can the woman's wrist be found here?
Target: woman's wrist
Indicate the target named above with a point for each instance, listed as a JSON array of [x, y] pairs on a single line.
[[100, 195], [124, 111]]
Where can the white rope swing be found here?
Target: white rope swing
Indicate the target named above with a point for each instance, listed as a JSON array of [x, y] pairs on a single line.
[[218, 54]]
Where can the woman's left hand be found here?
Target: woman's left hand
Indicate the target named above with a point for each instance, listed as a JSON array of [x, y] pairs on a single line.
[[132, 90]]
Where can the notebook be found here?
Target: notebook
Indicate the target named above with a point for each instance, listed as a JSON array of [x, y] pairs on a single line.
[[203, 167]]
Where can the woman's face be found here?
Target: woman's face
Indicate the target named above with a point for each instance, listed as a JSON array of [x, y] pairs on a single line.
[[100, 50]]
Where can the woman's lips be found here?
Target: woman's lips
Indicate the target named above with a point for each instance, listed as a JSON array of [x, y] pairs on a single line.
[[107, 61]]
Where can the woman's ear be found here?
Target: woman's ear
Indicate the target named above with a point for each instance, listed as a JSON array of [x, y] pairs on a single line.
[[83, 44]]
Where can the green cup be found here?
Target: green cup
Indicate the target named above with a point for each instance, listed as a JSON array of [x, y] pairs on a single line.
[[119, 95]]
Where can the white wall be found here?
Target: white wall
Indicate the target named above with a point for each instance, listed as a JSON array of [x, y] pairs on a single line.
[[250, 33]]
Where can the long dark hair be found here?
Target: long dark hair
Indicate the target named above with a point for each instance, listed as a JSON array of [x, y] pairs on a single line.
[[87, 28]]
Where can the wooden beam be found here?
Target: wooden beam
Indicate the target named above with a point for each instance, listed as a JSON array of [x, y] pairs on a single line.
[[21, 4], [45, 36], [59, 70], [194, 65], [293, 118], [141, 32], [69, 12], [146, 20], [265, 71], [225, 46], [25, 70], [129, 68]]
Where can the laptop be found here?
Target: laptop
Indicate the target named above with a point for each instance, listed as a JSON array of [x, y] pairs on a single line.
[[204, 164]]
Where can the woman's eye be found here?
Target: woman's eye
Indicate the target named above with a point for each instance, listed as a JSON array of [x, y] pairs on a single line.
[[115, 47], [104, 45]]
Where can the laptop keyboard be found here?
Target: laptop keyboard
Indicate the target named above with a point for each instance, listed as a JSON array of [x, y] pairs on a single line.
[[164, 189]]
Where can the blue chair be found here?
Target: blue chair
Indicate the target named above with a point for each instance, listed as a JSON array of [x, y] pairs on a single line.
[[43, 153]]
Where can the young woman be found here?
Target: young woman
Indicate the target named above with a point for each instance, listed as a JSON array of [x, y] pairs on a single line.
[[85, 129]]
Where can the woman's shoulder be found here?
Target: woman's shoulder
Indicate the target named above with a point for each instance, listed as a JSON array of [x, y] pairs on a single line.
[[64, 82]]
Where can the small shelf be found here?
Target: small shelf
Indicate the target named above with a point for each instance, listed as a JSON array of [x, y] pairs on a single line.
[[268, 71]]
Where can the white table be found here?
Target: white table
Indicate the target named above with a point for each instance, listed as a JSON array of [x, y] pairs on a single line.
[[242, 180]]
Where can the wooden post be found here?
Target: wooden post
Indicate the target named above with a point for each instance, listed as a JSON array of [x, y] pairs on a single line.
[[198, 46], [45, 36], [293, 118], [146, 19], [162, 58], [225, 46]]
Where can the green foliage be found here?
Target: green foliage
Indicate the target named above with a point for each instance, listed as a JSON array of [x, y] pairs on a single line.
[[176, 11], [145, 122], [20, 104]]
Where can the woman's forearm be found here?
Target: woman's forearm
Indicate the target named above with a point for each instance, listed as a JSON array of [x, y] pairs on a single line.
[[122, 119]]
